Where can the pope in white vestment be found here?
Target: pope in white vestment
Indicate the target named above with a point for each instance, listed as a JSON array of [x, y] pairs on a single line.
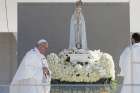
[[33, 74], [130, 66]]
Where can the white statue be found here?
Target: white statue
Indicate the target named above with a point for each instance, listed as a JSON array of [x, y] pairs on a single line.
[[77, 29]]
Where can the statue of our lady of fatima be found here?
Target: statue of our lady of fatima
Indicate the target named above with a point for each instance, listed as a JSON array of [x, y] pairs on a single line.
[[77, 29]]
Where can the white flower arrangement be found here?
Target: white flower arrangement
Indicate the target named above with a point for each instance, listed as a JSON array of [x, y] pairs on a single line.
[[99, 65]]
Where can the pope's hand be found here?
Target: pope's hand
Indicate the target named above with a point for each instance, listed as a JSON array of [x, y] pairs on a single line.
[[46, 71]]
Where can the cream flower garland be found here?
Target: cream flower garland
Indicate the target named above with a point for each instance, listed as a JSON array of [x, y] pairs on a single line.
[[100, 65]]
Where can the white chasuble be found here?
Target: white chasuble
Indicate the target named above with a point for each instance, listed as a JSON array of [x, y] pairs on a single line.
[[29, 77]]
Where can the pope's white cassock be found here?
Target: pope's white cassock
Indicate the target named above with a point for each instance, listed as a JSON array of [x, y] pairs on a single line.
[[29, 77], [130, 69]]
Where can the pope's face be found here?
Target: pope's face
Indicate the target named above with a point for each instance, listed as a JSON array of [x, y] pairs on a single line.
[[43, 48]]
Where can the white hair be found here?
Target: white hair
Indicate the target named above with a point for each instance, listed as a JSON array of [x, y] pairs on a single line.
[[42, 41]]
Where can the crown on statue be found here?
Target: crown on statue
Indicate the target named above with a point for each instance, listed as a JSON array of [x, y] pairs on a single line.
[[79, 3]]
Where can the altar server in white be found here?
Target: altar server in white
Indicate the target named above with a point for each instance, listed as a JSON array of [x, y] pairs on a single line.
[[130, 66], [33, 74]]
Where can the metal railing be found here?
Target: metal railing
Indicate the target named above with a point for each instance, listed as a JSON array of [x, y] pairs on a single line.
[[81, 88], [71, 88]]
